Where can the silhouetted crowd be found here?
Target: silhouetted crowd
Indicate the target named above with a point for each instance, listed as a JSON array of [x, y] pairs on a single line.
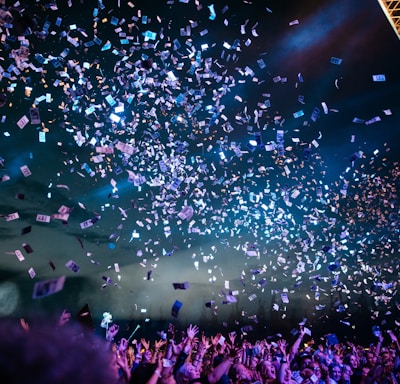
[[67, 353]]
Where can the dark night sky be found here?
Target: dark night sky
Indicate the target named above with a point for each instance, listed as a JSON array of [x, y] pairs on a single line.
[[238, 205]]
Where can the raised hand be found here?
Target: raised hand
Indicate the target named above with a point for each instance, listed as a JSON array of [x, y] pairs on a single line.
[[24, 324], [112, 332], [145, 344], [121, 359], [192, 331], [214, 340], [64, 318], [171, 330], [232, 337], [205, 342], [138, 347], [158, 344], [282, 345], [234, 351], [123, 345]]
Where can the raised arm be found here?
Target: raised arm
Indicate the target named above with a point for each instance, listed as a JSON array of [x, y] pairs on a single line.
[[379, 345], [64, 318], [394, 339], [157, 345], [222, 368], [285, 362], [121, 360], [295, 347], [157, 372]]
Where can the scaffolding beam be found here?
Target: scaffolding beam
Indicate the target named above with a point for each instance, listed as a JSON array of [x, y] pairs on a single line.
[[391, 8]]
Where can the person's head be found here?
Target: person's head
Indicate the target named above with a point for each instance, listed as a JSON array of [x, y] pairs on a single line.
[[386, 357], [239, 373], [305, 360], [337, 359], [371, 358], [351, 360], [186, 373], [254, 362], [335, 372], [306, 374], [346, 373], [146, 356], [45, 354], [316, 368], [267, 370]]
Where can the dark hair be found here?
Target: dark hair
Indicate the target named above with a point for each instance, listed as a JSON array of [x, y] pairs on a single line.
[[45, 354]]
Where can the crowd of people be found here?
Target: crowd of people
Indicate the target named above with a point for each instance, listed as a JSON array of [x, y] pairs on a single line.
[[42, 354]]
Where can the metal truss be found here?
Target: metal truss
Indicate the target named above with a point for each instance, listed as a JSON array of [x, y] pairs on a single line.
[[391, 8]]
